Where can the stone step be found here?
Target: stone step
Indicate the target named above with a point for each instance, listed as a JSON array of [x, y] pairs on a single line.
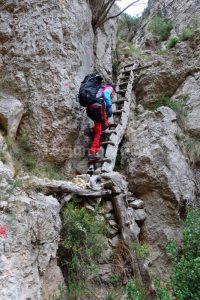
[[136, 203]]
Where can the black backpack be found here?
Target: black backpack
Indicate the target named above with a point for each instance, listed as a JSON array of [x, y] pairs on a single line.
[[89, 88]]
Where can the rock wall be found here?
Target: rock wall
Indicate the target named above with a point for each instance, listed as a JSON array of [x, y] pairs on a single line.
[[47, 47], [182, 13], [159, 169], [29, 235]]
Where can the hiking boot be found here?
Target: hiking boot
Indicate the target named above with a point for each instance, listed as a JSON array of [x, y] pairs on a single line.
[[93, 157]]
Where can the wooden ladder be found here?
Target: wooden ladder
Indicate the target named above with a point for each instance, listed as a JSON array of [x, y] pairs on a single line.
[[121, 109], [118, 122]]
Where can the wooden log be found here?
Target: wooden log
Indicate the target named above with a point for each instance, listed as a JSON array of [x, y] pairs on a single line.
[[64, 187], [129, 236]]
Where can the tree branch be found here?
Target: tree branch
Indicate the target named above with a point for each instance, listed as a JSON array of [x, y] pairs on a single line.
[[101, 22]]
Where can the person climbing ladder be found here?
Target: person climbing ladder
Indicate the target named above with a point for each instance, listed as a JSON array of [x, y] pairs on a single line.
[[97, 99], [99, 112]]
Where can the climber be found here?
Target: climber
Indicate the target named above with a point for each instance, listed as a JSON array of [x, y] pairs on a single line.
[[99, 112]]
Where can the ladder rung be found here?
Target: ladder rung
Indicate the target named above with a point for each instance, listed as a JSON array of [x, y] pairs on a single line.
[[100, 161], [120, 101], [124, 78], [126, 71], [123, 83], [122, 92], [128, 65], [113, 125], [108, 143], [108, 132], [117, 112]]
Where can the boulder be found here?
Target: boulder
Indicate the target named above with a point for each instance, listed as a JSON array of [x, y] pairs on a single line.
[[140, 215], [11, 111], [136, 204], [189, 93], [106, 208], [29, 247], [153, 159], [114, 241]]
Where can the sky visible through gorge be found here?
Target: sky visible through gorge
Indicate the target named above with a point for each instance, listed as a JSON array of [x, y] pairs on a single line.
[[134, 10]]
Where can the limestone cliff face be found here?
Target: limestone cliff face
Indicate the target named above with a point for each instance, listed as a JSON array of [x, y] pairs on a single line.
[[159, 167], [29, 235], [182, 13], [47, 47]]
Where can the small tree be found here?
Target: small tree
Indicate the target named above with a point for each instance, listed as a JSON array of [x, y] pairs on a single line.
[[127, 27], [101, 10], [160, 28]]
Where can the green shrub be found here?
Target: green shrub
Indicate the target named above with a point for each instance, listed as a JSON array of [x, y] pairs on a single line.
[[160, 28], [134, 291], [141, 250], [193, 149], [3, 157], [115, 279], [116, 293], [82, 242], [161, 290], [172, 42], [176, 106], [186, 274], [73, 291], [187, 34], [25, 159]]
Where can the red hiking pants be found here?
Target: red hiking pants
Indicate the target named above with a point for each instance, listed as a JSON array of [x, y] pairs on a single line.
[[96, 112]]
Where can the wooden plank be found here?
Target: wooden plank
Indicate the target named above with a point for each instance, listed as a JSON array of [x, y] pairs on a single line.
[[108, 132], [121, 101], [112, 125], [144, 67], [108, 143], [63, 186], [118, 112], [128, 65], [100, 161], [123, 83], [121, 92]]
